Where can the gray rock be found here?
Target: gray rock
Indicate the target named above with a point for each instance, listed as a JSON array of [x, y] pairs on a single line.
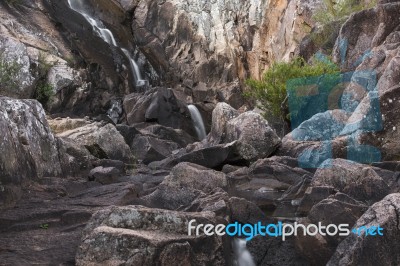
[[103, 141], [30, 150], [256, 139], [135, 234], [272, 251], [358, 181], [373, 250], [104, 175], [192, 176], [148, 149], [221, 114]]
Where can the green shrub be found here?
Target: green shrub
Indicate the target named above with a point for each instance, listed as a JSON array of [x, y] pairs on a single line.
[[332, 14], [44, 93], [9, 71], [332, 10], [270, 92]]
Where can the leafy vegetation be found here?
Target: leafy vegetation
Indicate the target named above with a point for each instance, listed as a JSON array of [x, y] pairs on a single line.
[[9, 71], [44, 91], [332, 10], [331, 15], [271, 91]]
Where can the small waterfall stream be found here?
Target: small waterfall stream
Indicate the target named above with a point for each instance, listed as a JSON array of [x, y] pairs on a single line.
[[242, 255], [197, 122], [108, 37]]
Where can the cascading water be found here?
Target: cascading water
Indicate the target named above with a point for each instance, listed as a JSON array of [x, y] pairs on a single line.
[[108, 37], [242, 255], [197, 122]]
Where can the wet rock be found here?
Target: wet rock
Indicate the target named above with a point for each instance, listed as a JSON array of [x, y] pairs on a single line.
[[103, 141], [255, 139], [136, 234], [158, 105], [32, 149], [373, 250]]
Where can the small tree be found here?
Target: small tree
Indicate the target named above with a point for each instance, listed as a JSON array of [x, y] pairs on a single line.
[[270, 92], [9, 71]]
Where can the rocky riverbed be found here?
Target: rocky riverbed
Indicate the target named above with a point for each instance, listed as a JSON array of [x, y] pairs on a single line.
[[111, 168]]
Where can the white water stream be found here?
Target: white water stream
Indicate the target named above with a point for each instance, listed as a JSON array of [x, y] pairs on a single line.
[[108, 37], [197, 122]]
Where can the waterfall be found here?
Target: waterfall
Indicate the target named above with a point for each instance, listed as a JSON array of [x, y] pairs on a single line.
[[197, 122], [108, 37], [242, 255]]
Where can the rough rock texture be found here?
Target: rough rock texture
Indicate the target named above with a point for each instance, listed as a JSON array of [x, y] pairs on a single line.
[[103, 141], [336, 209], [192, 176], [217, 41], [29, 148], [373, 250], [135, 234], [255, 138], [158, 105], [358, 181]]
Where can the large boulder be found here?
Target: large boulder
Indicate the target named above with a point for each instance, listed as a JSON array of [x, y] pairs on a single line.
[[158, 105], [221, 114], [29, 148], [188, 175], [358, 181], [256, 139], [373, 249], [137, 235], [103, 141]]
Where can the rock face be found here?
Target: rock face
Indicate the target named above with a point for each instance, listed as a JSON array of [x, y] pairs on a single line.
[[103, 141], [373, 250], [217, 41], [148, 237], [158, 105], [32, 149]]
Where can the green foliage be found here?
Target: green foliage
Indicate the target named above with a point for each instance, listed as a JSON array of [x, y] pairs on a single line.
[[44, 93], [332, 10], [270, 92], [9, 71], [44, 226], [332, 15]]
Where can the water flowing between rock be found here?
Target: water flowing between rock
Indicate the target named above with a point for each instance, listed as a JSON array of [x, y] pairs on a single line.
[[108, 37], [242, 255], [197, 122]]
